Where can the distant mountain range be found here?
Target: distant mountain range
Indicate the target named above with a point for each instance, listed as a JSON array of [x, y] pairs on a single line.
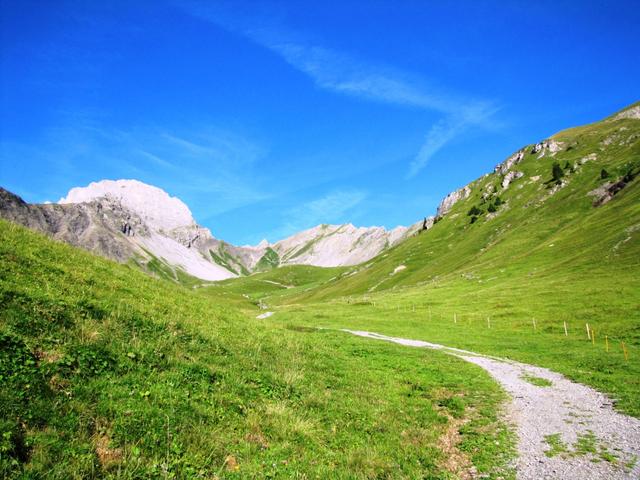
[[129, 221]]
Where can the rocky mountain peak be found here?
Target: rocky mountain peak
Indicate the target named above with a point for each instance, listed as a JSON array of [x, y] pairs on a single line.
[[155, 206]]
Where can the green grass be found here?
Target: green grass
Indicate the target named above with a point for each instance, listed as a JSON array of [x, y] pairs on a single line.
[[556, 445], [587, 444], [107, 372], [269, 260], [544, 260], [276, 283], [537, 381]]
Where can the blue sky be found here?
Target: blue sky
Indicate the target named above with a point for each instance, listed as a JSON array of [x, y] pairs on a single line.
[[271, 117]]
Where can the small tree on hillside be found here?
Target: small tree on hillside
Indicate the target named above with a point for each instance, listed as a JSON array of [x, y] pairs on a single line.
[[474, 211], [604, 174], [556, 173]]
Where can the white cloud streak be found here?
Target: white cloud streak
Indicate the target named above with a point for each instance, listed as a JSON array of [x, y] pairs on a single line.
[[214, 170], [444, 131], [346, 75]]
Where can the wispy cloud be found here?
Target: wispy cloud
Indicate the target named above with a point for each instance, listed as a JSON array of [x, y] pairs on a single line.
[[445, 130], [344, 74], [339, 73], [211, 169]]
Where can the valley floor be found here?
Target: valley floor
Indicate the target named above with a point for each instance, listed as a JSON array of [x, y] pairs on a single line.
[[565, 430]]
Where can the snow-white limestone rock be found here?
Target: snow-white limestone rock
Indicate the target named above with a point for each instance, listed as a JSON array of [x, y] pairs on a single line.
[[632, 113], [450, 200], [510, 177], [504, 167], [159, 210], [178, 255], [548, 145], [161, 225], [399, 268]]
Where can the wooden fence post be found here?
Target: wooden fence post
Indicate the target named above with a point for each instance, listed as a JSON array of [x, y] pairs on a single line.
[[588, 333]]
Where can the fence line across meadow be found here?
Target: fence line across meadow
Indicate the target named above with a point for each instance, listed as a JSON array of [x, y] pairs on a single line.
[[571, 329]]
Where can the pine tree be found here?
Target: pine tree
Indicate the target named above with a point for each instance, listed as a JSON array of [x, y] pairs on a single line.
[[556, 172]]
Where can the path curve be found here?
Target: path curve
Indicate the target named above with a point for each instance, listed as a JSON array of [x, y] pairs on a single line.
[[570, 411]]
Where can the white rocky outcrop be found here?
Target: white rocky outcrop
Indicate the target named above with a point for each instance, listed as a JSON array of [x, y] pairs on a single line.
[[504, 167], [510, 177], [155, 224], [399, 268], [178, 255], [548, 145], [159, 210], [633, 113], [450, 200]]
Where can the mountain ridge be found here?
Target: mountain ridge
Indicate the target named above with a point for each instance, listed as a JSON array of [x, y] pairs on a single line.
[[129, 220]]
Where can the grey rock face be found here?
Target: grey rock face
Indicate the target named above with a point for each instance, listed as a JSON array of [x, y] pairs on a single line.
[[510, 177], [450, 200], [545, 146], [105, 226], [514, 159], [632, 113], [96, 226], [607, 191]]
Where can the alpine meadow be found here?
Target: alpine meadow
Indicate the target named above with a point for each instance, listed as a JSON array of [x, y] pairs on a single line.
[[146, 330]]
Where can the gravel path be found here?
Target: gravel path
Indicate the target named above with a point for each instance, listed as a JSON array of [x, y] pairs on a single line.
[[600, 443]]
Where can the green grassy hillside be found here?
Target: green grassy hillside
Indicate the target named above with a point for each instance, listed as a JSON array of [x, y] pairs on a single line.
[[106, 372], [545, 254], [276, 283], [535, 228]]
